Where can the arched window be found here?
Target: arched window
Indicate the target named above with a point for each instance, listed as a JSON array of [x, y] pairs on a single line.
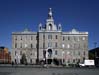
[[50, 26], [40, 27]]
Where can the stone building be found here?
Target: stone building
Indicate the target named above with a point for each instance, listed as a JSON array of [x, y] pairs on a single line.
[[50, 43]]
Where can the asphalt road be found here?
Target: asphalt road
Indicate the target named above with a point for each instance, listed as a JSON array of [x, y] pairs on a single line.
[[48, 71]]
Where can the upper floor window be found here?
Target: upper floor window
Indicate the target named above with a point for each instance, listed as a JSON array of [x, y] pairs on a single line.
[[15, 45], [49, 44], [79, 53], [50, 26], [31, 45], [84, 53], [21, 37], [55, 44], [56, 36], [31, 37], [15, 53], [68, 38], [78, 39], [63, 38], [20, 52], [20, 45], [55, 52], [49, 36]]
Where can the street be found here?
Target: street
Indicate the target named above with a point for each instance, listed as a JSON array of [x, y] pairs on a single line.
[[47, 71]]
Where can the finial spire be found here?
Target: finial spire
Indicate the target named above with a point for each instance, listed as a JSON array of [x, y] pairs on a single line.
[[50, 13]]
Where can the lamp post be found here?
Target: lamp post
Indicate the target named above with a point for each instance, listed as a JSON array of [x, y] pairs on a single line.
[[63, 53], [26, 46]]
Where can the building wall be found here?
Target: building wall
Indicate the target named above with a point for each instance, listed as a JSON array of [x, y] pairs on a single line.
[[69, 46], [5, 56], [24, 43]]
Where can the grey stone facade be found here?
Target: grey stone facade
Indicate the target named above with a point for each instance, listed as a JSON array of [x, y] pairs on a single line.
[[50, 43]]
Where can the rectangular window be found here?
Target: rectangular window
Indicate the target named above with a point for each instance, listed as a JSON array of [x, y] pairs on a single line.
[[20, 52], [15, 45], [20, 45], [68, 38], [78, 53], [63, 38], [21, 37], [49, 44], [84, 53], [56, 52], [49, 36], [43, 45], [15, 37], [56, 44], [31, 45], [31, 37], [56, 36], [74, 38], [15, 53], [43, 36], [31, 61]]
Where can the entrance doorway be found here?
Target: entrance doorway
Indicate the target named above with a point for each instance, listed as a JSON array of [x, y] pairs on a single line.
[[49, 60]]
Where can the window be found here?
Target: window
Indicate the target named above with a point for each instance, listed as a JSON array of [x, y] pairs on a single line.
[[20, 45], [15, 53], [55, 52], [49, 36], [31, 53], [78, 53], [20, 52], [74, 38], [15, 45], [43, 36], [31, 37], [49, 44], [50, 27], [43, 44], [30, 60], [21, 37], [73, 60], [40, 27], [31, 45], [68, 38], [63, 38], [78, 39], [55, 44], [56, 36], [84, 53]]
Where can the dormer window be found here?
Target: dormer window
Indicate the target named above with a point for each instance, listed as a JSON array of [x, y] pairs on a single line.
[[50, 26]]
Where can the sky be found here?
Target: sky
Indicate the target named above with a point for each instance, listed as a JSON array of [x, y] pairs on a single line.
[[16, 15]]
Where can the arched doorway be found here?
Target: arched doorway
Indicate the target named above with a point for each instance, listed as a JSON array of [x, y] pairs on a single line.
[[49, 59]]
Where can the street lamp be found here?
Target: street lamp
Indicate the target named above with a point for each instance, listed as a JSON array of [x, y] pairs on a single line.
[[63, 53]]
